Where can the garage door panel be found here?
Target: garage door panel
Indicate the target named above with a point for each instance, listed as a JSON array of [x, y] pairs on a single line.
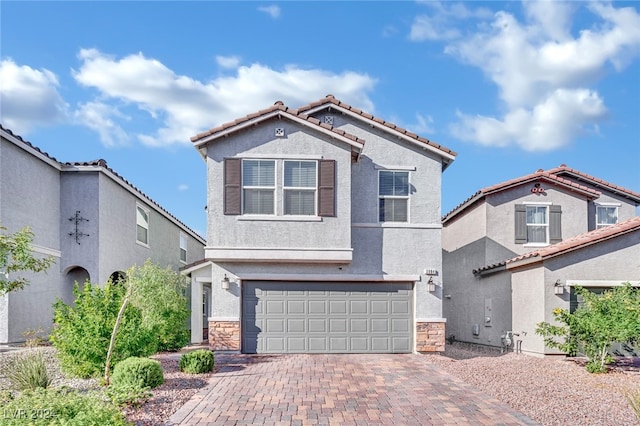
[[318, 317]]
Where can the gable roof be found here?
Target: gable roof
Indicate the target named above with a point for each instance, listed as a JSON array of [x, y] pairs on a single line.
[[331, 102], [577, 242], [278, 110], [574, 243], [539, 176], [99, 166], [564, 170]]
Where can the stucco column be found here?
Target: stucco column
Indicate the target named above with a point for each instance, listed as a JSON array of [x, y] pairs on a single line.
[[196, 311]]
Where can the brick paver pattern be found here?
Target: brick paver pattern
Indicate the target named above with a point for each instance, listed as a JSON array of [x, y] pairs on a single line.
[[328, 389]]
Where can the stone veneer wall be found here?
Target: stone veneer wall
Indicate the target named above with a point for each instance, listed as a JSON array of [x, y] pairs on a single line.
[[224, 335], [430, 336]]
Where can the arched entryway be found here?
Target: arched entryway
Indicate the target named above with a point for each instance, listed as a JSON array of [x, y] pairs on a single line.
[[117, 277], [76, 274]]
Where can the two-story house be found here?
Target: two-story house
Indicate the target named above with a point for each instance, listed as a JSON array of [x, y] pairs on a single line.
[[90, 219], [512, 253], [323, 233]]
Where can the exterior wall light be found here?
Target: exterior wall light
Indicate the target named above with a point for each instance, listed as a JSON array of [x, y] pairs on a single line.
[[558, 288], [431, 286], [225, 282]]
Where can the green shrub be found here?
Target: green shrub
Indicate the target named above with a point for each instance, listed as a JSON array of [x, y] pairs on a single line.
[[82, 332], [197, 362], [126, 394], [137, 372], [28, 371], [52, 407]]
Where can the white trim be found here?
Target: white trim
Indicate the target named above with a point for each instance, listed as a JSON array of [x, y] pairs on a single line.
[[204, 280], [183, 236], [434, 319], [395, 197], [328, 277], [398, 225], [392, 168], [148, 214], [600, 283], [272, 254], [537, 203], [607, 204], [231, 319], [285, 218], [251, 156], [46, 250], [313, 189], [536, 245]]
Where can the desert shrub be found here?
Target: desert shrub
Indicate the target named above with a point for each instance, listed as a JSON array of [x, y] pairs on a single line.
[[137, 372], [60, 407], [28, 371], [633, 397], [197, 362], [82, 332], [125, 394]]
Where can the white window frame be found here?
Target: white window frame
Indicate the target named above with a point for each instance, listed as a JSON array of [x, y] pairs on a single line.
[[272, 188], [607, 206], [546, 225], [397, 197], [183, 247], [142, 225], [300, 188]]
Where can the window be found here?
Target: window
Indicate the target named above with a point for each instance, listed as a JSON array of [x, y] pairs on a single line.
[[258, 186], [142, 225], [606, 215], [304, 188], [183, 248], [538, 224], [300, 188], [393, 193]]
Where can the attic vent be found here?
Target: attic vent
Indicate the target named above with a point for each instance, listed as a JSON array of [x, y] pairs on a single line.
[[279, 131], [328, 119]]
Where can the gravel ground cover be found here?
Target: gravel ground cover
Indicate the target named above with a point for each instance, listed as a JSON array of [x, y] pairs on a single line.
[[550, 391]]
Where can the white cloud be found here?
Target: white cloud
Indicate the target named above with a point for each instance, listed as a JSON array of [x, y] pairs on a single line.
[[100, 117], [423, 125], [440, 23], [544, 74], [184, 106], [273, 10], [230, 62], [183, 187], [29, 97]]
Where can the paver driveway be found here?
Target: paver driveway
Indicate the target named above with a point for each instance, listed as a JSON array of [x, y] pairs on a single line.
[[341, 390]]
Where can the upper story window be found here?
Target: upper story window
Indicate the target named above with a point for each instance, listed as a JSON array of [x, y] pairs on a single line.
[[300, 188], [142, 225], [183, 248], [258, 186], [538, 224], [393, 196], [606, 215]]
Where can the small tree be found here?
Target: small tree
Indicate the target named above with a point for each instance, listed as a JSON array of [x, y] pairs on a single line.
[[157, 294], [612, 317], [16, 256]]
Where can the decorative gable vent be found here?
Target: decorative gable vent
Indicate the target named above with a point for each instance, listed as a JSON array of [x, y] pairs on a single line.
[[279, 131], [328, 119]]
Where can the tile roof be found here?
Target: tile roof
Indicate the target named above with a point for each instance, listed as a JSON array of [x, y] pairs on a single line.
[[568, 245], [280, 109], [563, 169], [579, 241], [330, 100], [103, 164], [539, 175]]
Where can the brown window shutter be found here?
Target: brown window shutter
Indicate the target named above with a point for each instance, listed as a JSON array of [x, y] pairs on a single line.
[[521, 224], [232, 186], [555, 224], [327, 188]]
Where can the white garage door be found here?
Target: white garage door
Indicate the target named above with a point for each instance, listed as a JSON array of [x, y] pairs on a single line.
[[319, 317]]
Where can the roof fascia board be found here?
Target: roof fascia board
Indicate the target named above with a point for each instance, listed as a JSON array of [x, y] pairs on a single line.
[[374, 123], [139, 195], [620, 191], [276, 113], [25, 147]]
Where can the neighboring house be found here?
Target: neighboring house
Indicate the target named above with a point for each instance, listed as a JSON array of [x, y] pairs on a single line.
[[91, 220], [513, 252], [322, 223]]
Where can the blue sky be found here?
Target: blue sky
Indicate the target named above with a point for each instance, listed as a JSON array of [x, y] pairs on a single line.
[[512, 87]]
